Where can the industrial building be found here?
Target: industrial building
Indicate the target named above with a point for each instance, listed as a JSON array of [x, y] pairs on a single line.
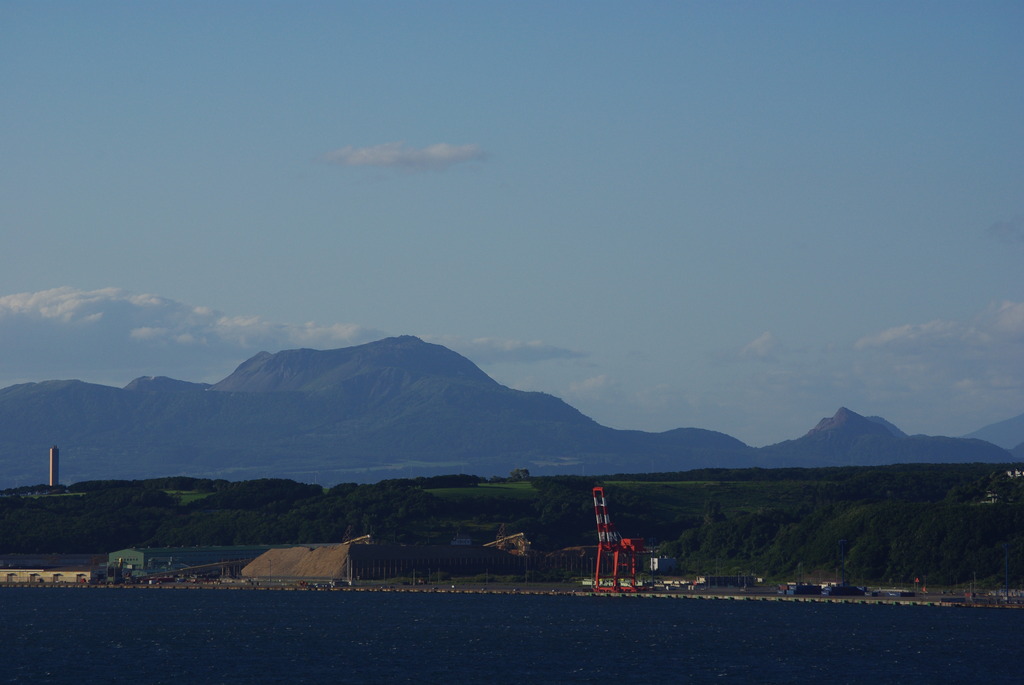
[[50, 568], [78, 574], [144, 560]]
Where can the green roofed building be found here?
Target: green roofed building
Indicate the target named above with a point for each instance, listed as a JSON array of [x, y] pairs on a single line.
[[144, 560]]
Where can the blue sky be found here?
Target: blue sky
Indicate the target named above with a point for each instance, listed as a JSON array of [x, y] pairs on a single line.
[[736, 216]]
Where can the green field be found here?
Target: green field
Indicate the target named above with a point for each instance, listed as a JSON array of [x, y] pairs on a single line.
[[518, 491], [187, 496]]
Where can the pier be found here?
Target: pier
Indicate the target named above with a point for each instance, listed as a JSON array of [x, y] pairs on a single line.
[[750, 595]]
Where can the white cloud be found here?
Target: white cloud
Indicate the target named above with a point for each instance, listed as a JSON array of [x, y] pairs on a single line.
[[941, 377], [111, 336], [1007, 319], [398, 155], [965, 371], [147, 333], [997, 327], [764, 347], [931, 333]]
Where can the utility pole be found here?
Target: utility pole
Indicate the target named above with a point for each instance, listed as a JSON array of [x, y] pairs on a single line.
[[1006, 571], [842, 553]]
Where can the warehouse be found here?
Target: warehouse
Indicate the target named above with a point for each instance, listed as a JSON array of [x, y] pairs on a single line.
[[50, 568], [48, 575], [158, 559]]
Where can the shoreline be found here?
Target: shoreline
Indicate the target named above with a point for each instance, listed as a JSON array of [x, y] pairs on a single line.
[[549, 590]]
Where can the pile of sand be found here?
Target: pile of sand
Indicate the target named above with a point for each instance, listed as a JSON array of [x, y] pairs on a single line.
[[299, 562], [328, 562]]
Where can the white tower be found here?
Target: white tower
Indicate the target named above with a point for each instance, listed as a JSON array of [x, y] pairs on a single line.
[[54, 466]]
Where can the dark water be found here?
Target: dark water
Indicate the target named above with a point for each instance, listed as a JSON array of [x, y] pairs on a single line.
[[211, 636]]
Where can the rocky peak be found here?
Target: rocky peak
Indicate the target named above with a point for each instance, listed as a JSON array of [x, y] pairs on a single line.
[[850, 422]]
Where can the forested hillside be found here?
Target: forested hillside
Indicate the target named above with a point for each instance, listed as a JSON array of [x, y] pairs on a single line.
[[946, 524]]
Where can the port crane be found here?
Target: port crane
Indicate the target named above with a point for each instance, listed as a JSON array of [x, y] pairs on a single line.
[[513, 544], [622, 553]]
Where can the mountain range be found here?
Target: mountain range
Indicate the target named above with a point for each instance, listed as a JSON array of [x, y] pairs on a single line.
[[1008, 434], [397, 407]]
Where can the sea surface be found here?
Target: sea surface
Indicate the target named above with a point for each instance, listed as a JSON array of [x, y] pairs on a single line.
[[55, 635]]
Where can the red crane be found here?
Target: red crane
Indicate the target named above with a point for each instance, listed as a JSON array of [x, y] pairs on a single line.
[[623, 553]]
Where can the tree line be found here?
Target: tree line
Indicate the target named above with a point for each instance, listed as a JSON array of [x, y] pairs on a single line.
[[949, 524]]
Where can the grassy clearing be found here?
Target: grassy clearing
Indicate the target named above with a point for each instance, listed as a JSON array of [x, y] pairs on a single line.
[[187, 496], [520, 490]]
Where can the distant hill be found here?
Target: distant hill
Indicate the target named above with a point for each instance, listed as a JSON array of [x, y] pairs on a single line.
[[848, 439], [164, 384], [389, 365], [398, 407], [1008, 434], [892, 428]]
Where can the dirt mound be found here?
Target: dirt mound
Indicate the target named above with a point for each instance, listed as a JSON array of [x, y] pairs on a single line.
[[375, 561], [299, 562]]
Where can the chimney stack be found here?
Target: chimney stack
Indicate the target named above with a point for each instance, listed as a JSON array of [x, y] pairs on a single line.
[[54, 466]]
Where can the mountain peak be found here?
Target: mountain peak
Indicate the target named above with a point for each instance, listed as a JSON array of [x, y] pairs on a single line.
[[311, 370], [850, 422], [164, 384]]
